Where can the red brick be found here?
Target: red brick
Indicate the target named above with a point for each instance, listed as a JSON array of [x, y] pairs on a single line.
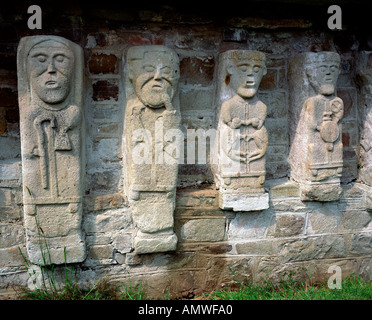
[[105, 90], [197, 70], [345, 139], [268, 81], [103, 63], [145, 39], [2, 121], [139, 40]]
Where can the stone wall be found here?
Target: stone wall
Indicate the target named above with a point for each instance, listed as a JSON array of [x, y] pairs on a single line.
[[292, 236]]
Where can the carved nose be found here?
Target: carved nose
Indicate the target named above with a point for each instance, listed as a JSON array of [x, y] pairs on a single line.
[[158, 74], [51, 67]]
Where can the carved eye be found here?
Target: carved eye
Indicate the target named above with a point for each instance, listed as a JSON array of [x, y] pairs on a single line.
[[149, 68], [243, 68], [256, 69], [166, 70], [323, 68], [41, 58], [333, 68], [60, 58]]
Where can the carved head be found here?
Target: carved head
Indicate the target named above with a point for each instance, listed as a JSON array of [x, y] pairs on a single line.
[[323, 70], [50, 66], [154, 72], [246, 69]]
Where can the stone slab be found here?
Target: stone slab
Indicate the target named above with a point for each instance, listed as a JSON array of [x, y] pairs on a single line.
[[155, 243], [243, 202]]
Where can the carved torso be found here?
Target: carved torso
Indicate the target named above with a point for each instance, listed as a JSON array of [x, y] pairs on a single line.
[[248, 118]]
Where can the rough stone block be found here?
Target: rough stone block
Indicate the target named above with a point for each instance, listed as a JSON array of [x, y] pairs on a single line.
[[308, 248], [204, 230], [99, 252], [155, 242], [361, 244], [246, 226], [286, 225], [324, 219], [11, 235], [11, 257], [243, 202], [262, 247]]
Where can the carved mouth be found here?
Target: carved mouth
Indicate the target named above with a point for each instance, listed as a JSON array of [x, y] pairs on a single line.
[[157, 87], [51, 84], [250, 83]]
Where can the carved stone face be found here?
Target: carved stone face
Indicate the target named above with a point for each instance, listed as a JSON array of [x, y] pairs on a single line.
[[155, 77], [247, 75], [324, 76], [50, 65]]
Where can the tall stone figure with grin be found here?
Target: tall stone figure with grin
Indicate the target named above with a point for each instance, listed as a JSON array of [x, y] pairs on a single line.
[[243, 136], [152, 117]]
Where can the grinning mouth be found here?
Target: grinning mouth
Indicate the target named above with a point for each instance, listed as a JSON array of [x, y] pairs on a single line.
[[250, 83]]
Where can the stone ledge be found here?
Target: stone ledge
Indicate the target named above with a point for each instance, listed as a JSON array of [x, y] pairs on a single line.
[[101, 202]]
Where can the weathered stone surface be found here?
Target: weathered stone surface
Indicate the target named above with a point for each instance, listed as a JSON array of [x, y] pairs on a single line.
[[249, 226], [50, 88], [324, 219], [355, 220], [308, 248], [11, 257], [361, 244], [242, 138], [318, 192], [10, 171], [152, 147], [11, 235], [114, 219], [240, 201], [316, 155], [98, 203], [261, 247], [286, 224], [155, 242], [284, 189], [122, 241], [204, 230], [363, 66], [365, 269]]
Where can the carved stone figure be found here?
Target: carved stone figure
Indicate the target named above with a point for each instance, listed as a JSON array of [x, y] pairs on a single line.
[[50, 88], [152, 121], [241, 134], [316, 151], [364, 78]]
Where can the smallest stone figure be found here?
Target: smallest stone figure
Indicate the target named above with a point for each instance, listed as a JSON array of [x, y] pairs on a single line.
[[242, 135], [316, 151]]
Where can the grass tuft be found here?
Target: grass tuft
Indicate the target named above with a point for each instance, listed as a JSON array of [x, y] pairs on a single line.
[[353, 288]]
